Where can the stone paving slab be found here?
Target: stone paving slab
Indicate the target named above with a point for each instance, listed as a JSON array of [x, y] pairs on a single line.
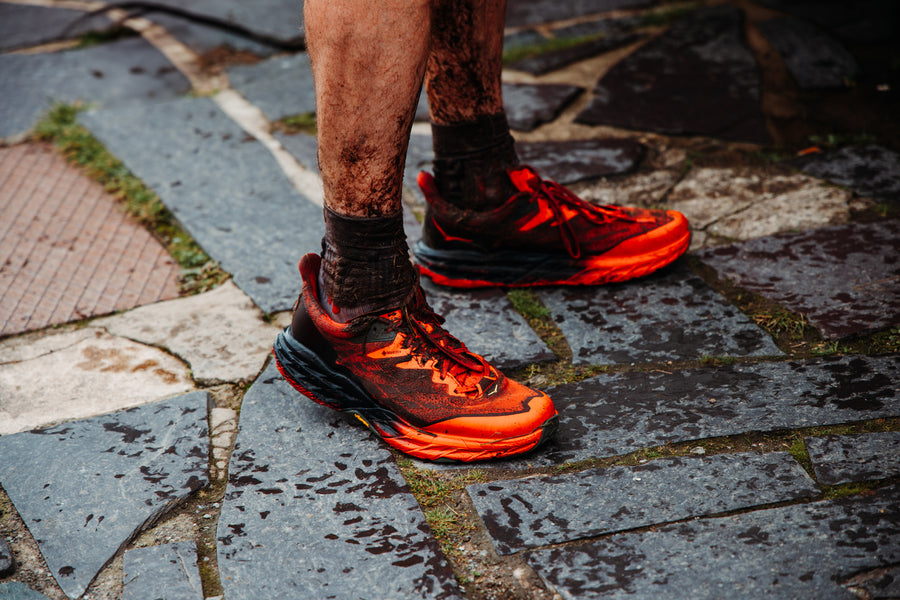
[[814, 59], [576, 160], [23, 25], [7, 561], [883, 584], [555, 60], [15, 590], [532, 12], [203, 38], [670, 315], [87, 487], [867, 21], [539, 511], [868, 170], [845, 458], [317, 508], [58, 264], [844, 279], [800, 551], [280, 87], [168, 571], [696, 78], [128, 70], [529, 106], [224, 187]]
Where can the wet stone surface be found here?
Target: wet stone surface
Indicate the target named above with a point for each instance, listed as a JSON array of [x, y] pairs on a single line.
[[204, 38], [223, 186], [575, 160], [814, 59], [526, 513], [845, 279], [280, 87], [85, 488], [14, 590], [865, 21], [801, 551], [168, 571], [126, 71], [7, 562], [860, 457], [697, 78], [670, 315], [614, 414], [551, 61], [22, 25], [528, 106], [531, 12], [882, 584], [868, 170], [316, 507]]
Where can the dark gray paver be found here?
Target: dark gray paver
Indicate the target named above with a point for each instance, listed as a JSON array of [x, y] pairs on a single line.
[[85, 488], [7, 561], [22, 25], [844, 279], [124, 71], [801, 551], [203, 38], [861, 457], [223, 186], [280, 87], [557, 59], [317, 508], [14, 590], [531, 12], [522, 39], [867, 21], [882, 584], [575, 160], [525, 513], [590, 28], [670, 315], [869, 170], [814, 58], [528, 106], [697, 78], [168, 571]]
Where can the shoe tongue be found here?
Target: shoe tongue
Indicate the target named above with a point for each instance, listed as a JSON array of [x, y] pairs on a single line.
[[524, 179]]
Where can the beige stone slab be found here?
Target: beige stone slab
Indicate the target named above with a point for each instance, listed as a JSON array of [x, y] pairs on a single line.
[[221, 333], [97, 374], [639, 189]]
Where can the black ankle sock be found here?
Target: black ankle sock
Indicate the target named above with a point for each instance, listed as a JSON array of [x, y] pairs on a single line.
[[365, 264], [471, 160]]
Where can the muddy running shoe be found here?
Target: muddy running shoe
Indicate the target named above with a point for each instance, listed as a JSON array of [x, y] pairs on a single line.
[[409, 380], [544, 235]]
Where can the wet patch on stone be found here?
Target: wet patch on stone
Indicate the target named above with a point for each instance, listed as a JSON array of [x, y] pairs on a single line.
[[15, 590], [670, 315], [23, 25], [223, 186], [861, 457], [126, 71], [697, 78], [168, 571], [487, 323], [814, 59], [799, 551], [527, 513], [528, 106], [868, 170], [316, 507], [87, 487], [520, 13], [575, 160], [845, 279], [280, 87], [557, 59]]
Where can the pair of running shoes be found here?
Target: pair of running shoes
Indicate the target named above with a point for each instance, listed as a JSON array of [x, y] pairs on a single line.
[[418, 387]]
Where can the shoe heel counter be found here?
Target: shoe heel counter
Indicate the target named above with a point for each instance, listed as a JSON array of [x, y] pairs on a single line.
[[305, 331]]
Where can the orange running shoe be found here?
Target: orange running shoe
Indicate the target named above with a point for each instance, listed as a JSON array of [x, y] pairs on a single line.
[[544, 235], [409, 381]]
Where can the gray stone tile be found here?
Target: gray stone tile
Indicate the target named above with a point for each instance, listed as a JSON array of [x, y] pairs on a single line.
[[557, 59], [881, 584], [697, 78], [486, 322], [532, 12], [302, 146], [168, 571], [522, 39], [203, 38], [15, 590], [575, 160], [120, 72], [7, 561], [868, 170], [801, 551], [605, 26], [814, 59], [866, 21], [223, 186], [614, 414], [539, 511], [23, 25], [280, 87], [844, 279], [316, 507], [87, 487], [861, 457], [528, 106], [669, 315]]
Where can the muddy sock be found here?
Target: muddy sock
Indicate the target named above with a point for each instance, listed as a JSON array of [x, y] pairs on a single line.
[[365, 265], [471, 160]]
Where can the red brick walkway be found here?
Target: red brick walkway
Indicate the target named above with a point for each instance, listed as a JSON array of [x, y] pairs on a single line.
[[66, 250]]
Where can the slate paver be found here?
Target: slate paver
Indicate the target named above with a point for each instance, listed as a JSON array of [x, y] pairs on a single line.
[[814, 59], [532, 12], [15, 590], [869, 170], [280, 87], [128, 70], [844, 279], [85, 488], [670, 315], [696, 78], [168, 571], [861, 457], [645, 189], [800, 551], [316, 507], [224, 187], [557, 59], [883, 584], [528, 106], [24, 25], [575, 160], [7, 560], [870, 21], [531, 512], [203, 38], [605, 26]]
